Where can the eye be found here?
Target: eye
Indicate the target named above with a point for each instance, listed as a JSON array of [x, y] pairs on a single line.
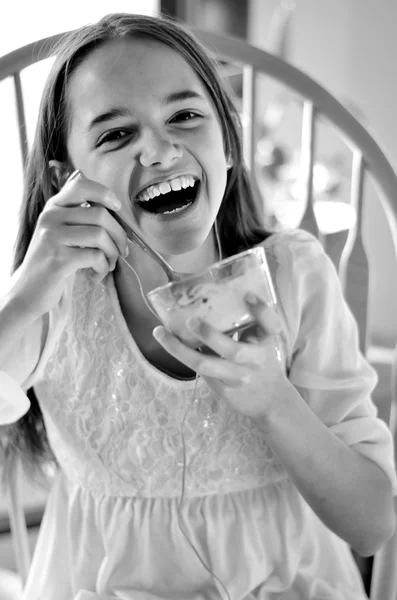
[[185, 116], [115, 136]]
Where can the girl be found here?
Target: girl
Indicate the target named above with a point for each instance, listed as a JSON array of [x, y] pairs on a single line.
[[251, 481]]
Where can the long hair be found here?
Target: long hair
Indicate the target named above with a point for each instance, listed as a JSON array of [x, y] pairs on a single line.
[[238, 219]]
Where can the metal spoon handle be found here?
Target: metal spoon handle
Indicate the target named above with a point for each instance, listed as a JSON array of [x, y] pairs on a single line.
[[137, 239]]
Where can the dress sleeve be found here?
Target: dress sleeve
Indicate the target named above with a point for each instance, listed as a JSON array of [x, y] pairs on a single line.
[[326, 365], [16, 370], [27, 360]]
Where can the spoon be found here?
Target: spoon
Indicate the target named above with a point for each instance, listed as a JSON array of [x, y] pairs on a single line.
[[137, 239]]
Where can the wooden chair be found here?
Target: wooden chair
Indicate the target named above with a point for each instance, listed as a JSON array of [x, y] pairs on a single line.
[[368, 163]]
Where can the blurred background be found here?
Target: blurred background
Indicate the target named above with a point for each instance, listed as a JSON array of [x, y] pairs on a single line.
[[347, 46]]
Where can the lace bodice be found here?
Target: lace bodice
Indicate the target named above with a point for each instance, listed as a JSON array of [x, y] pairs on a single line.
[[115, 422]]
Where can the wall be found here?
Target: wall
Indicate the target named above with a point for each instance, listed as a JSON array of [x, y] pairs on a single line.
[[224, 16], [348, 46]]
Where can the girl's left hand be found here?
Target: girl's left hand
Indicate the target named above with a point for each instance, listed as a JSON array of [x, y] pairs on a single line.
[[249, 374]]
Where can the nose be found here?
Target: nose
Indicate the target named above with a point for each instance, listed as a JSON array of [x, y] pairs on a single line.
[[158, 149]]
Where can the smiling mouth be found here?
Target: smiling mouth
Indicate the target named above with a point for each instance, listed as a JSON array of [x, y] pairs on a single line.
[[172, 202]]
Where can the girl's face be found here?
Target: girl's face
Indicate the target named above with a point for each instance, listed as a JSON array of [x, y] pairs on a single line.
[[142, 124]]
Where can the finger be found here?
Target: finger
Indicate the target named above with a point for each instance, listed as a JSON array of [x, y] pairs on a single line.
[[221, 388], [101, 217], [78, 190], [266, 316], [77, 258], [223, 345], [270, 323], [90, 236], [208, 366]]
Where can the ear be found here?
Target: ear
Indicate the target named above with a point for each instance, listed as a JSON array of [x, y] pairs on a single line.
[[58, 171]]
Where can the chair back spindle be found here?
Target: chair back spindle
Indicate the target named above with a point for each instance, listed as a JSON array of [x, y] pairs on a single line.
[[23, 136], [248, 116], [308, 222], [18, 527], [353, 266]]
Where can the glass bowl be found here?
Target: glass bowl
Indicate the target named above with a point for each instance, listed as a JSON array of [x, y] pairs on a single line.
[[215, 295]]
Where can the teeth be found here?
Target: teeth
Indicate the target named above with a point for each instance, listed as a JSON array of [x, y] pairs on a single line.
[[175, 210], [165, 187], [176, 185]]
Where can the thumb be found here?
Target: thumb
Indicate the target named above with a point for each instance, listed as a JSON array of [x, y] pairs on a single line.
[[265, 315]]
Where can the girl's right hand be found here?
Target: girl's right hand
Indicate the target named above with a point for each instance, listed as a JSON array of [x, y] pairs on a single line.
[[69, 237]]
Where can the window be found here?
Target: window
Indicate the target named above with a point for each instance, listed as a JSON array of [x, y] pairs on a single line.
[[40, 19]]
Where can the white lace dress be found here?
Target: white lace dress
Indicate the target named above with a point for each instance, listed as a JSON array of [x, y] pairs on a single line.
[[114, 526]]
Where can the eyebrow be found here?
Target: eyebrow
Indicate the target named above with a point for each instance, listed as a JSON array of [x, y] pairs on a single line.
[[117, 112], [109, 115], [182, 95]]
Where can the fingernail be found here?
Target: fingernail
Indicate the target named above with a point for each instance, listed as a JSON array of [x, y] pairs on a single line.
[[75, 175], [114, 200], [251, 298], [194, 323], [159, 333], [126, 251]]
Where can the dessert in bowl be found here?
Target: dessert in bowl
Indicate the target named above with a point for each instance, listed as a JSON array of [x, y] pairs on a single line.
[[216, 295]]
